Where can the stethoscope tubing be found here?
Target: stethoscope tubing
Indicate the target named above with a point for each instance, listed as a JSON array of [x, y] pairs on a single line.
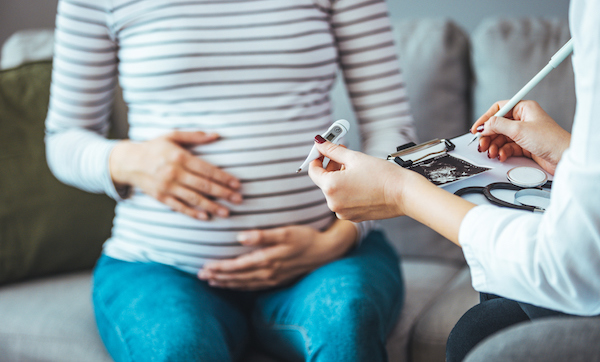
[[487, 192]]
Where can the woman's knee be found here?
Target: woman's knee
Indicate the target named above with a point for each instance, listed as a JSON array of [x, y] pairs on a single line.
[[352, 312]]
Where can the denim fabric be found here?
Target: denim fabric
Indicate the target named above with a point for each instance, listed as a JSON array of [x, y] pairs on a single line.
[[342, 311], [490, 316]]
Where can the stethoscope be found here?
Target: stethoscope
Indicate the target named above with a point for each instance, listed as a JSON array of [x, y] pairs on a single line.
[[527, 181]]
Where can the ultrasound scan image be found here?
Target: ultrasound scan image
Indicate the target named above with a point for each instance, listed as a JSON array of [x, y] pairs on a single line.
[[444, 169]]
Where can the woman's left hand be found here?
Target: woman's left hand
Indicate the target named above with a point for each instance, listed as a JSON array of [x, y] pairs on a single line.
[[284, 254]]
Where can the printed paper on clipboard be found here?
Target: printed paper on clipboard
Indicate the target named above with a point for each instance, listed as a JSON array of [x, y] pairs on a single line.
[[432, 160]]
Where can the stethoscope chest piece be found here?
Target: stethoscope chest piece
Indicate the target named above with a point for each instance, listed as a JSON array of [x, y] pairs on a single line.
[[529, 184], [537, 198], [526, 176]]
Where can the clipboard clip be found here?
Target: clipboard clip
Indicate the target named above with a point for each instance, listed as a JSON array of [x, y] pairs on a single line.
[[412, 148]]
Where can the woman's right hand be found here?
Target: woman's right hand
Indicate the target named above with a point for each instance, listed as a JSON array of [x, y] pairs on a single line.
[[527, 130], [165, 170]]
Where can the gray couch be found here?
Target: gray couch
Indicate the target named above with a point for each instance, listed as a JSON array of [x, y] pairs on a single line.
[[451, 78]]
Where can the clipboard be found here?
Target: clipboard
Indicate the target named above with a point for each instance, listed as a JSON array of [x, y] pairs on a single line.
[[433, 160]]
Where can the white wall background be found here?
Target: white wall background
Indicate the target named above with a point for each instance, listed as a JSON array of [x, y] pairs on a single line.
[[26, 14]]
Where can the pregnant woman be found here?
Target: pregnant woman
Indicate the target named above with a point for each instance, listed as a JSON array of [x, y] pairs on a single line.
[[217, 243]]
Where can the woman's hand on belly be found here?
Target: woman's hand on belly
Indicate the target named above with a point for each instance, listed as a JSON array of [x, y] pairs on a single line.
[[165, 170], [285, 254]]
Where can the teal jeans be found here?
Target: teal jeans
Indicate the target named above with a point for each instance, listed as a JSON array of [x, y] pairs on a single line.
[[342, 311]]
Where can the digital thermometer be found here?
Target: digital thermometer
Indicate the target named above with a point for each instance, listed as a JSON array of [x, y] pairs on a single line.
[[335, 132]]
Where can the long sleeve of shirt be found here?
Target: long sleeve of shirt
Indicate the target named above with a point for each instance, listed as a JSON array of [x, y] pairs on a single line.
[[552, 260], [83, 80], [369, 62]]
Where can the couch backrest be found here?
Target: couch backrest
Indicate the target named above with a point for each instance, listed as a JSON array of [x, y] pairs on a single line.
[[434, 56], [507, 53]]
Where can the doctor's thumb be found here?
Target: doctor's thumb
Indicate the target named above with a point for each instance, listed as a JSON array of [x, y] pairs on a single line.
[[330, 150], [501, 125]]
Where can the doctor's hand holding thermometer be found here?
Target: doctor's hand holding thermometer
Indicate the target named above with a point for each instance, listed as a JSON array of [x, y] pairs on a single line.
[[334, 134]]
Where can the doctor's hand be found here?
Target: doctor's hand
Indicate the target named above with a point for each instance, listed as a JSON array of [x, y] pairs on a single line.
[[365, 188], [284, 255], [527, 130], [164, 169]]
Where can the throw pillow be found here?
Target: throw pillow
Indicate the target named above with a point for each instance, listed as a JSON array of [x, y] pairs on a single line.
[[46, 227]]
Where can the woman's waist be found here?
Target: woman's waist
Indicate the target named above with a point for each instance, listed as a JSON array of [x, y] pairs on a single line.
[[273, 208]]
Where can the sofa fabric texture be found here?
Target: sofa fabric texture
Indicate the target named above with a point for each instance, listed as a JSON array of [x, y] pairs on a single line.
[[46, 227]]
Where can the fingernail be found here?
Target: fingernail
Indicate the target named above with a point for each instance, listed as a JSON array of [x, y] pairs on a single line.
[[203, 274], [480, 128], [489, 154], [236, 198], [222, 212], [203, 216], [319, 139], [247, 237], [234, 184], [479, 148], [498, 157]]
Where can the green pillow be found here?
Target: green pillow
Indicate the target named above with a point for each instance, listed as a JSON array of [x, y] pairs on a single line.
[[46, 227]]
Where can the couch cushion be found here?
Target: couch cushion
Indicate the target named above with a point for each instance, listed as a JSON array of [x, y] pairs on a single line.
[[412, 239], [428, 343], [50, 320], [45, 226], [507, 53], [434, 56], [424, 281], [27, 46]]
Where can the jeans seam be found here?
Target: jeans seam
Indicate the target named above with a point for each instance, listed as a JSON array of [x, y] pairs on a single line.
[[115, 326]]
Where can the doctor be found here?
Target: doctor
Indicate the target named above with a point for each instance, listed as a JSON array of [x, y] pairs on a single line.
[[526, 265]]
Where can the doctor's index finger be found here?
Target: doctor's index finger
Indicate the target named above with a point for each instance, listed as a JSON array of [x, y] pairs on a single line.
[[488, 114]]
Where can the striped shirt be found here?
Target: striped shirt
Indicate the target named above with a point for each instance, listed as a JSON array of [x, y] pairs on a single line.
[[257, 72]]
